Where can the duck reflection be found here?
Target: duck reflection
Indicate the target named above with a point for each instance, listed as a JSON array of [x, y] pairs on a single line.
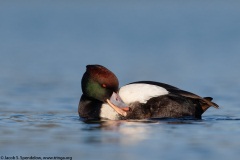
[[120, 132], [129, 132]]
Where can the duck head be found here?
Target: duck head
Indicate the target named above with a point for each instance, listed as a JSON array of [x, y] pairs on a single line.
[[101, 84]]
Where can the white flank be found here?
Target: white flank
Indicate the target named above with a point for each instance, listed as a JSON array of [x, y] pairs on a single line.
[[108, 112], [140, 92]]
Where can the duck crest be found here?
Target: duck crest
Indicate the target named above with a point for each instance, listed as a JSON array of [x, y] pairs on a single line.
[[103, 76]]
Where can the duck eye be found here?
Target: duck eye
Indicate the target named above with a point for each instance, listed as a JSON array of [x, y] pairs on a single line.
[[104, 85]]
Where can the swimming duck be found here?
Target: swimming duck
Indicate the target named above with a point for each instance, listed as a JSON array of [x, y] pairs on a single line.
[[103, 99]]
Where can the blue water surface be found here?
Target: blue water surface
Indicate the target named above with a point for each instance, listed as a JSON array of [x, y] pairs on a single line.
[[45, 46]]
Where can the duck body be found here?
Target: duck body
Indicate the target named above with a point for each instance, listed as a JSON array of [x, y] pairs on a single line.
[[144, 100]]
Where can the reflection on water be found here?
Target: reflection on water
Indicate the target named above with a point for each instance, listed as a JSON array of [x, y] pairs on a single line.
[[120, 139], [131, 132]]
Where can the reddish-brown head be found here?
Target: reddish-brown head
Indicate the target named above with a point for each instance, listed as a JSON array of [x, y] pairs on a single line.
[[99, 83]]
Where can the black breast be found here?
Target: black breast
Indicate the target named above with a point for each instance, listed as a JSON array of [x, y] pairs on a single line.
[[89, 108]]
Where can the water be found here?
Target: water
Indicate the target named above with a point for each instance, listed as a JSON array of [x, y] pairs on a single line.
[[45, 46]]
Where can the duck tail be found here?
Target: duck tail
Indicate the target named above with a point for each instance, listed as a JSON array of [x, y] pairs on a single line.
[[207, 102]]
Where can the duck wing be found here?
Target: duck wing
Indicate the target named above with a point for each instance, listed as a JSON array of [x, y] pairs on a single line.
[[174, 90]]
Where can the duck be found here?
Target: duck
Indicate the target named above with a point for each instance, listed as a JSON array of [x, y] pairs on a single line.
[[103, 99]]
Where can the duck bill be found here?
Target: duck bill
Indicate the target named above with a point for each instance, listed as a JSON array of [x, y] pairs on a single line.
[[117, 100], [117, 104]]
